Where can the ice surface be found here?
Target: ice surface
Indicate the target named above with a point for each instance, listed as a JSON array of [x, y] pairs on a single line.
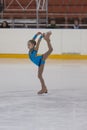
[[63, 108]]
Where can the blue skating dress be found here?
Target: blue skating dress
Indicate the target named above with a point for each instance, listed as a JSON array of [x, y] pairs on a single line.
[[38, 60]]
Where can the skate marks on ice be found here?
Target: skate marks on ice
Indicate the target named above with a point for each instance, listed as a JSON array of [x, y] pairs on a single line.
[[59, 109]]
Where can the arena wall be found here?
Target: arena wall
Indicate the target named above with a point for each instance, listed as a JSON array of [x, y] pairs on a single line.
[[67, 43]]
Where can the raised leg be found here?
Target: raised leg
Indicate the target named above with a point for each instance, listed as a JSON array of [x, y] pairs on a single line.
[[50, 49]]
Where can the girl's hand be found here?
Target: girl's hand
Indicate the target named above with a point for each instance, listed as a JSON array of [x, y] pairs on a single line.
[[39, 33]]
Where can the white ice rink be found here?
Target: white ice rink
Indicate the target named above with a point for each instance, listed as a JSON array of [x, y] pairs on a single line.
[[63, 108]]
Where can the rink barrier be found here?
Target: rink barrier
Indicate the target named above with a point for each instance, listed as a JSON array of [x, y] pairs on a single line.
[[53, 56], [67, 43]]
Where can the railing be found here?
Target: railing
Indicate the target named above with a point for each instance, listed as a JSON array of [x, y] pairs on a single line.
[[31, 23], [30, 7], [38, 10]]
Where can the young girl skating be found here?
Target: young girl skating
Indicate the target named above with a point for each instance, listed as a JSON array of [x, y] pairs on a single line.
[[33, 47]]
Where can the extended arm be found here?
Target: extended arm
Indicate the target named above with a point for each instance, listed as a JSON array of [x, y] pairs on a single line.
[[38, 42], [35, 36]]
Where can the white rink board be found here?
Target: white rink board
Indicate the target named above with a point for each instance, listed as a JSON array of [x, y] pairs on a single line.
[[71, 41], [14, 41]]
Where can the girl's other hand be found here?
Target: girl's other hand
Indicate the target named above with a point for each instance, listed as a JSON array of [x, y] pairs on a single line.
[[39, 33]]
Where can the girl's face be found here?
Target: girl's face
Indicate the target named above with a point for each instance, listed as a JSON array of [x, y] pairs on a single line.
[[30, 45]]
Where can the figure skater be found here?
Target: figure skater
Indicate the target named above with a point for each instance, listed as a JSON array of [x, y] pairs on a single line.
[[33, 47]]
